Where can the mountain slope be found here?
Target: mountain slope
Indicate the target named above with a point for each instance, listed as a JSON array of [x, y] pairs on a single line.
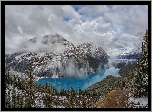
[[52, 55], [115, 99]]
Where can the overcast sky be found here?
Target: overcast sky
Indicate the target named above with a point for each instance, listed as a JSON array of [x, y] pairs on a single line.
[[111, 27]]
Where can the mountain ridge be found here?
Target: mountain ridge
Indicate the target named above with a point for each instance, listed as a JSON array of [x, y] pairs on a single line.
[[51, 56]]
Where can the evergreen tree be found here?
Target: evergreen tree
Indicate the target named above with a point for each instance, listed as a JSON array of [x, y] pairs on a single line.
[[71, 96], [14, 99], [141, 81], [7, 98]]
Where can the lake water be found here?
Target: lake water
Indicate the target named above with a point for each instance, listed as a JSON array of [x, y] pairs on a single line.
[[79, 82]]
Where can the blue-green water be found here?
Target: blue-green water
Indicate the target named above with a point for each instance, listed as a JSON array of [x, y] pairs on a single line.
[[78, 82]]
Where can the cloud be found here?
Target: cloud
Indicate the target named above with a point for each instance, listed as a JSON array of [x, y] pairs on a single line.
[[126, 18], [111, 27], [68, 11], [90, 11], [71, 70]]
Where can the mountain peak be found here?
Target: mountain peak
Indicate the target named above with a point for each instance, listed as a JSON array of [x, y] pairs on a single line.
[[53, 51]]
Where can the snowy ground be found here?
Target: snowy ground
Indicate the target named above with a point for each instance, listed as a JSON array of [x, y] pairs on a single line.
[[17, 74], [22, 75], [138, 102]]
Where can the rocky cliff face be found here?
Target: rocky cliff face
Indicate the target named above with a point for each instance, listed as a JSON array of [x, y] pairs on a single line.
[[51, 55]]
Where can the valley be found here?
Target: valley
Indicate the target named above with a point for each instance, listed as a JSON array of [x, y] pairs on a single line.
[[69, 77]]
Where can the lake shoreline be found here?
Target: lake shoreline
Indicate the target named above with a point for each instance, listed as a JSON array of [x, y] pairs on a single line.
[[78, 82]]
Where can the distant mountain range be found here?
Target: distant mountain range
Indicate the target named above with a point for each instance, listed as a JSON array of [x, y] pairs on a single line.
[[130, 55], [127, 62], [54, 56]]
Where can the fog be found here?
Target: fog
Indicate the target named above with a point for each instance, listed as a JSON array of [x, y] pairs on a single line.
[[38, 45], [71, 70]]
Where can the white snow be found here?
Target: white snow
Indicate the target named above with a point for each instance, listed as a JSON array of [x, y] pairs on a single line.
[[62, 98], [29, 57], [138, 101], [55, 75], [41, 54], [38, 100], [17, 74], [19, 56], [37, 78]]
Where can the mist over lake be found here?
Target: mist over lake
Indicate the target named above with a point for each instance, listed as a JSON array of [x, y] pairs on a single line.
[[79, 82]]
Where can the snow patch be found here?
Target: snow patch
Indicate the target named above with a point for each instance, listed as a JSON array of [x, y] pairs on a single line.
[[138, 101]]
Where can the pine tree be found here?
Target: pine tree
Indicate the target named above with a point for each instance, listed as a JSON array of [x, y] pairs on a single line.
[[29, 89], [8, 99], [141, 82], [14, 98], [47, 96], [71, 96]]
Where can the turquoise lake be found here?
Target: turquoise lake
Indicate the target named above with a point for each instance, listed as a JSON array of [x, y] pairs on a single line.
[[79, 82]]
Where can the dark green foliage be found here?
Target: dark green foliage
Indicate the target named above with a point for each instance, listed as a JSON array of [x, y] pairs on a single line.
[[141, 81], [137, 77]]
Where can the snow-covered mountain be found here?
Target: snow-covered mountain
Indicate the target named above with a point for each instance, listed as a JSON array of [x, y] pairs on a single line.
[[54, 56], [130, 55], [126, 61]]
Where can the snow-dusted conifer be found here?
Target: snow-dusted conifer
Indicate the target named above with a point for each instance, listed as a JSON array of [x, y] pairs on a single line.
[[141, 81]]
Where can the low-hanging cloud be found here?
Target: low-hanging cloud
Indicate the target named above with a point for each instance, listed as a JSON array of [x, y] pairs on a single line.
[[71, 70]]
